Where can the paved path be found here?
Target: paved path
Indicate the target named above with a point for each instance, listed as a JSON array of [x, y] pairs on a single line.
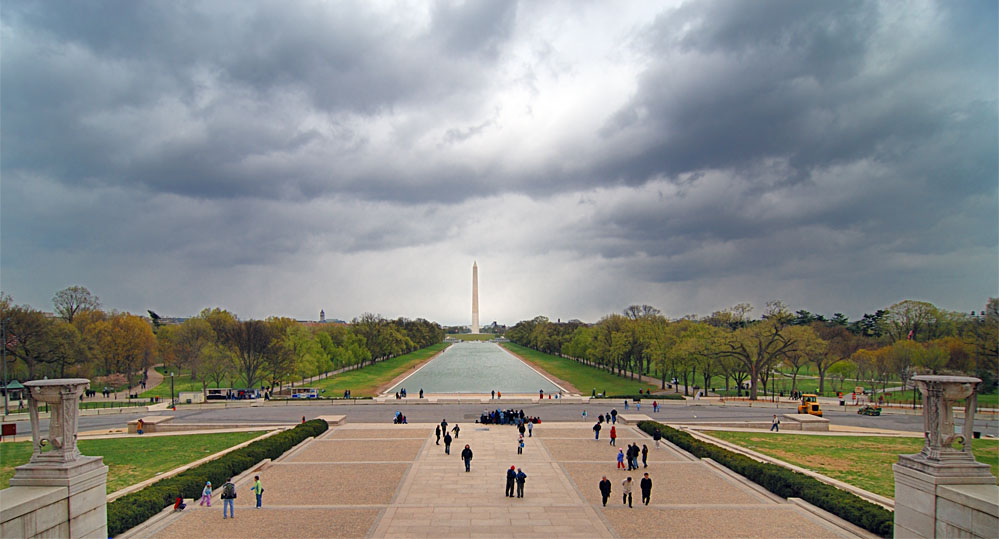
[[378, 480]]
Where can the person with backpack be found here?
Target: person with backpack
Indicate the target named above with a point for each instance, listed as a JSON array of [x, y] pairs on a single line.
[[257, 489], [228, 495], [447, 443]]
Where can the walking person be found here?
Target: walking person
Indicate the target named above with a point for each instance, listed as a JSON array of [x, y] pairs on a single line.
[[530, 429], [206, 494], [521, 479], [620, 459], [520, 445], [646, 485], [521, 429], [626, 492], [444, 425], [626, 405], [605, 489], [775, 426], [438, 432], [614, 415], [456, 430], [228, 495], [447, 443], [657, 436], [584, 414], [613, 435], [596, 431], [511, 478], [645, 456], [466, 455], [257, 489]]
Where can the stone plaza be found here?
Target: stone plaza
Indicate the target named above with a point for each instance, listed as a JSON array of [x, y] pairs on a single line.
[[377, 480]]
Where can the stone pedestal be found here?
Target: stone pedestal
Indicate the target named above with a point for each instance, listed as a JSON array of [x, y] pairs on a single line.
[[929, 485], [58, 493]]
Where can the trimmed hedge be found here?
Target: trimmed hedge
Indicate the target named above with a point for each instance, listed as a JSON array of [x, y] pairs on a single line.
[[630, 397], [784, 482], [133, 509]]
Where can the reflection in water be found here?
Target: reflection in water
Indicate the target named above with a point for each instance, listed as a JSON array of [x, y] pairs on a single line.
[[475, 367]]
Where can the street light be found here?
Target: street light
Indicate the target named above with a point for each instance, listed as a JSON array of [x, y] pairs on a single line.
[[172, 403], [6, 390]]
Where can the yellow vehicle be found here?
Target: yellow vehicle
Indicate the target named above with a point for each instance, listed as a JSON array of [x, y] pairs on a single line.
[[810, 405]]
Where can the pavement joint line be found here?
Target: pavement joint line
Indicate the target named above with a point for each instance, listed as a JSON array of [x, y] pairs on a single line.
[[385, 517]]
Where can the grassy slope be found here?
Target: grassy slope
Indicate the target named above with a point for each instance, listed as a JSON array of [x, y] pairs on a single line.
[[365, 382], [133, 459], [584, 377], [862, 461]]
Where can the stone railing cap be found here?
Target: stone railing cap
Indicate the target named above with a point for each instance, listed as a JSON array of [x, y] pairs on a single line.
[[944, 378], [57, 382]]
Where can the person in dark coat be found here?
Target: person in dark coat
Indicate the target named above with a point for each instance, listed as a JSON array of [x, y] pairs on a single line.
[[466, 455], [646, 485], [511, 478], [605, 489], [438, 432], [521, 478], [447, 443], [645, 456], [596, 431], [443, 425], [456, 430]]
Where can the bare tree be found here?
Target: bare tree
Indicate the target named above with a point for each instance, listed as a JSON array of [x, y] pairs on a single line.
[[71, 301]]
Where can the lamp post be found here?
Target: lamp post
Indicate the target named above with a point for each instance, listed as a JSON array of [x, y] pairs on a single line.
[[173, 404], [6, 390]]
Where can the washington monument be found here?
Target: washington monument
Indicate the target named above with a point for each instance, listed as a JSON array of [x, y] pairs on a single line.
[[475, 297]]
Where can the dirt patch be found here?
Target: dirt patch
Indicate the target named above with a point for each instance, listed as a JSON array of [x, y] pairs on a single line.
[[815, 462], [568, 387], [385, 387]]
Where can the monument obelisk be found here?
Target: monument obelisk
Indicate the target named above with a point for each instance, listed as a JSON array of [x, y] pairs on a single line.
[[475, 298]]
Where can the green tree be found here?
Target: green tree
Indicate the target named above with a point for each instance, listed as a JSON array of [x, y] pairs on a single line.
[[250, 342]]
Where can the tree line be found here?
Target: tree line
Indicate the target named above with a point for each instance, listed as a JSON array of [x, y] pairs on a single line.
[[81, 339], [894, 343]]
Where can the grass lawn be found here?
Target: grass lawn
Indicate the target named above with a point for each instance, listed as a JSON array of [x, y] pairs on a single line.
[[862, 461], [364, 382], [181, 382], [473, 337], [133, 459], [584, 377]]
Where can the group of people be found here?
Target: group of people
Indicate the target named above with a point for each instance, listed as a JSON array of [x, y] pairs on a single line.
[[442, 429], [626, 486], [399, 418], [632, 456], [506, 417], [228, 496]]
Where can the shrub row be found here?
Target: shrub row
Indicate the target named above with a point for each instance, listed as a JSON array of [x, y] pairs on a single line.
[[662, 397], [135, 508], [784, 482]]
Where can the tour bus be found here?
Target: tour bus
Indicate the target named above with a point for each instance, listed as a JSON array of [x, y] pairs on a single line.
[[304, 393], [218, 394]]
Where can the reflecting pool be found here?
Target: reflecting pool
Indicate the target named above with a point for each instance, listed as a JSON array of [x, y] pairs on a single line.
[[475, 367]]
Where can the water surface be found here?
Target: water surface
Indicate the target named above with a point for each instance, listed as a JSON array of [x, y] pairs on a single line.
[[475, 367]]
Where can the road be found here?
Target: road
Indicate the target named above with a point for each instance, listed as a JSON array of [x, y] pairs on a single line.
[[467, 413]]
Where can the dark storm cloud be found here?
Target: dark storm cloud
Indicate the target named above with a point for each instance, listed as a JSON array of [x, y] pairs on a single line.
[[679, 153]]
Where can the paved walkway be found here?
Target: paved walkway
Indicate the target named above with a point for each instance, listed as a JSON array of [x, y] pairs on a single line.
[[377, 480]]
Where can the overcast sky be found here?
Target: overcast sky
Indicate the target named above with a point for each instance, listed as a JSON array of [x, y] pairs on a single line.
[[278, 158]]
